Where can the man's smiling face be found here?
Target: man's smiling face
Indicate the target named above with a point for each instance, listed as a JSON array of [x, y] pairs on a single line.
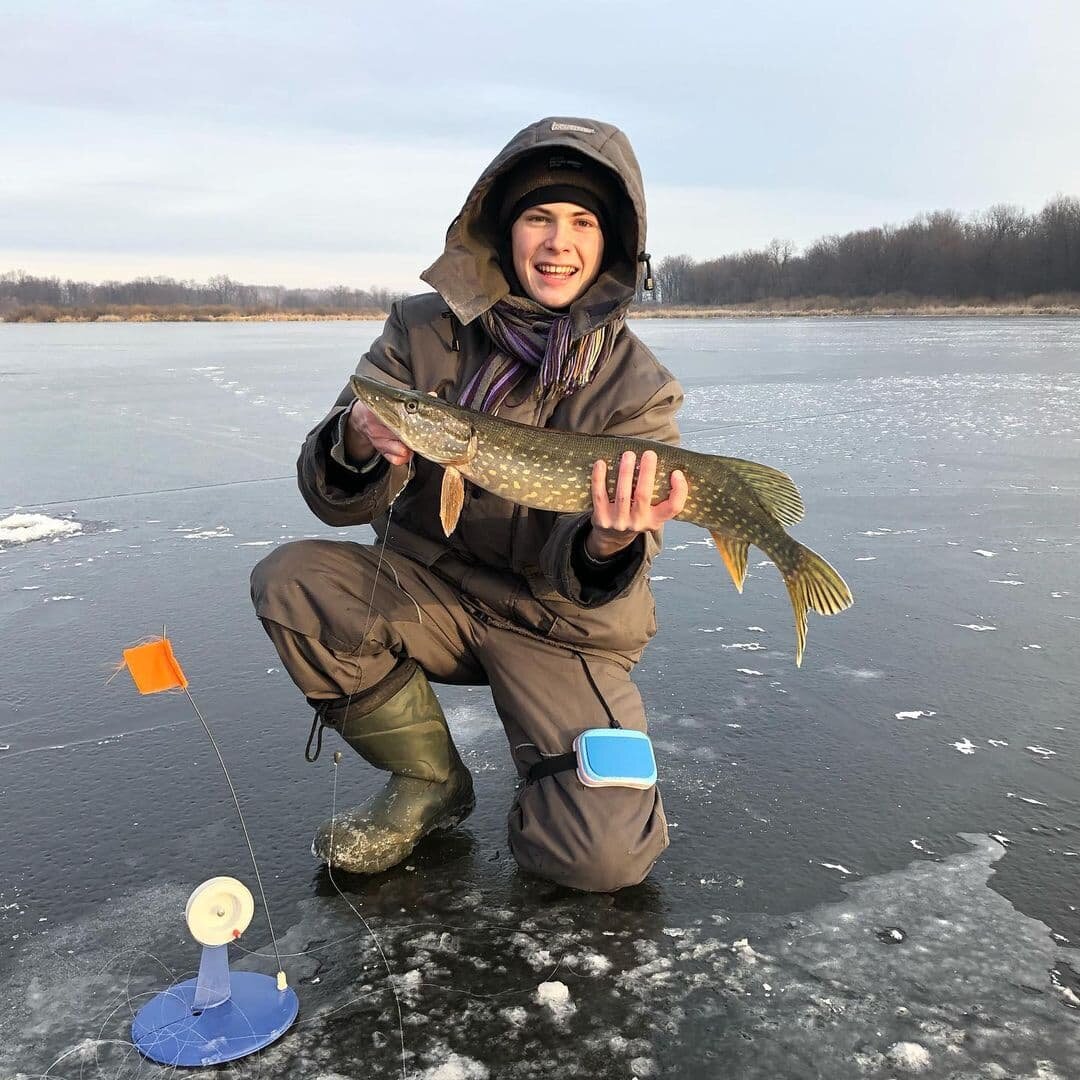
[[557, 249]]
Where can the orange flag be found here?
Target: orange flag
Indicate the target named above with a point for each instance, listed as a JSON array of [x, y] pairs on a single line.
[[154, 668]]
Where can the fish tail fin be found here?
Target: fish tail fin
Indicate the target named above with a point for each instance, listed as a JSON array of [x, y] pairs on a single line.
[[733, 551], [813, 583]]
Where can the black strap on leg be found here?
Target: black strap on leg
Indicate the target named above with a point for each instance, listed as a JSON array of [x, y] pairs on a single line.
[[557, 763], [548, 766]]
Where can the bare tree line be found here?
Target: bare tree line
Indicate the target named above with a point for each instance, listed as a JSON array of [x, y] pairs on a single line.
[[1000, 254], [27, 296]]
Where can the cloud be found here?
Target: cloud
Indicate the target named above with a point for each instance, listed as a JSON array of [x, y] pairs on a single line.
[[351, 131]]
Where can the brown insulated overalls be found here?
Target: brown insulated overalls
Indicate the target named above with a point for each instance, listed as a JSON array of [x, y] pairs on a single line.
[[501, 602]]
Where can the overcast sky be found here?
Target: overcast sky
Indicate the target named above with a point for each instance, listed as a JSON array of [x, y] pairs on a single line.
[[318, 143]]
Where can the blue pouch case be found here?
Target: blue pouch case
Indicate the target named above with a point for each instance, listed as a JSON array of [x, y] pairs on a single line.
[[615, 757]]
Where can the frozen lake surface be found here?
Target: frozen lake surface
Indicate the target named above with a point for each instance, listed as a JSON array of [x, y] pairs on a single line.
[[874, 859]]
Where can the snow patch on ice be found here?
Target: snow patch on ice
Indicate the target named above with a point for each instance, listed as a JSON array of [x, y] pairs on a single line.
[[1024, 798], [457, 1067], [857, 673], [24, 528], [556, 997], [209, 534], [588, 963], [516, 1016], [909, 1056]]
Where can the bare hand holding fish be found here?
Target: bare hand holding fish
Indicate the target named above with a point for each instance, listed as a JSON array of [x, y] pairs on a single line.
[[366, 435], [739, 502], [616, 522]]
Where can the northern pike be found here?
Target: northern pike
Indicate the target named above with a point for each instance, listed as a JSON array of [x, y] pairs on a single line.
[[739, 502]]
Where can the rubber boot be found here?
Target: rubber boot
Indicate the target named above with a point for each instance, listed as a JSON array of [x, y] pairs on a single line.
[[397, 726]]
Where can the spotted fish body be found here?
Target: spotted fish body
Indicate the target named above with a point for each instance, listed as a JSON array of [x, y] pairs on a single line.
[[740, 502]]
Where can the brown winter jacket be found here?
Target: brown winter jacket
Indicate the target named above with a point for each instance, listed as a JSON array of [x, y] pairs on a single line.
[[516, 566]]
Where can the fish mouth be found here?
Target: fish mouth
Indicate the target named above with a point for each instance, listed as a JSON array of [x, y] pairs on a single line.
[[385, 401], [442, 439]]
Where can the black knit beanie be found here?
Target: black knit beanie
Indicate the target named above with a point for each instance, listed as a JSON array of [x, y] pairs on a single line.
[[558, 176]]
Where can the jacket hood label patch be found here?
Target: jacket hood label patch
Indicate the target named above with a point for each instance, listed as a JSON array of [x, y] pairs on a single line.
[[556, 126]]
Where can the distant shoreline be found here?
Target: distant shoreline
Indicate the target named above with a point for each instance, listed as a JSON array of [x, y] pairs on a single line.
[[819, 307], [1067, 305], [17, 318]]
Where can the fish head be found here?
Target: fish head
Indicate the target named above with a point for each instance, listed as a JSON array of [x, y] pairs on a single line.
[[428, 426]]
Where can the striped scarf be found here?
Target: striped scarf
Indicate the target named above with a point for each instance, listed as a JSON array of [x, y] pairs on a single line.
[[529, 337]]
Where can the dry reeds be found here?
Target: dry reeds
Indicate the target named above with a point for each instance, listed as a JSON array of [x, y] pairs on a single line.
[[884, 305]]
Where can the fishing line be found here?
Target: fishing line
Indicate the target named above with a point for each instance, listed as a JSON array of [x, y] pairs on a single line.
[[367, 925], [326, 945], [791, 419], [79, 1050], [357, 678], [808, 416], [243, 825], [386, 963], [291, 476], [369, 615], [93, 741], [150, 491], [507, 993]]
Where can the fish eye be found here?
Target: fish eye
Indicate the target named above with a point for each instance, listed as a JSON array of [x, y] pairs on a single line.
[[411, 406]]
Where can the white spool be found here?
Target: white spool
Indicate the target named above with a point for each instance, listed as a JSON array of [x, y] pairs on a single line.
[[219, 910]]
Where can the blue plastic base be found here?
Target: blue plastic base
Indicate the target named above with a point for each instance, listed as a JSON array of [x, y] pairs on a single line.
[[167, 1031]]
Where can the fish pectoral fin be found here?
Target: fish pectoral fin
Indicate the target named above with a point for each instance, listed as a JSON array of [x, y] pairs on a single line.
[[452, 499], [470, 450], [733, 551]]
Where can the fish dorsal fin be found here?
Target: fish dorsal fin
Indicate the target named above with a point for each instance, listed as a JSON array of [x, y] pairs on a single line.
[[452, 499], [733, 551], [776, 490]]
